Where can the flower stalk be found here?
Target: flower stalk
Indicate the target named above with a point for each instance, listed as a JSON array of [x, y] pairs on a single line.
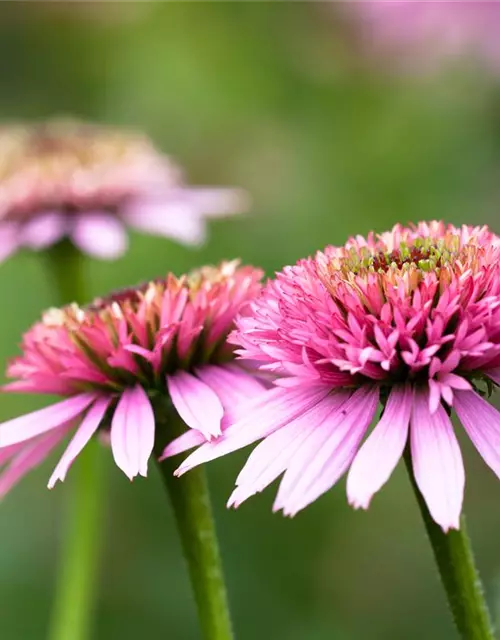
[[190, 501], [78, 565], [457, 570]]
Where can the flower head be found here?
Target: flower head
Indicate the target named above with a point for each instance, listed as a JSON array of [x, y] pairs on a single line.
[[432, 30], [112, 359], [86, 182], [409, 318]]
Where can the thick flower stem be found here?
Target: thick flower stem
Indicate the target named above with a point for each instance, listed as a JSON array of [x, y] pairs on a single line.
[[79, 561], [460, 578], [190, 500]]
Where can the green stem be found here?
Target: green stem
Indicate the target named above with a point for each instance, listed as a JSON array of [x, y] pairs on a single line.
[[190, 500], [460, 578], [76, 584], [78, 564], [65, 265]]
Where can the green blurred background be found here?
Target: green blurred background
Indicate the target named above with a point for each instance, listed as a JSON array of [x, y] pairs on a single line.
[[273, 97]]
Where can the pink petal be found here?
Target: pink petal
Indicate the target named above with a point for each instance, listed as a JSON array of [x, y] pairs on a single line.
[[346, 428], [482, 423], [40, 383], [9, 452], [272, 456], [9, 239], [234, 388], [188, 440], [100, 235], [172, 220], [38, 422], [271, 411], [434, 396], [455, 382], [437, 462], [44, 230], [83, 434], [231, 383], [32, 454], [196, 403], [380, 453], [215, 202], [133, 432]]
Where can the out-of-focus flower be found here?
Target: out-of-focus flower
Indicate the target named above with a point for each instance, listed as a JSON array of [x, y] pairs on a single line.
[[410, 317], [420, 33], [113, 359], [88, 183]]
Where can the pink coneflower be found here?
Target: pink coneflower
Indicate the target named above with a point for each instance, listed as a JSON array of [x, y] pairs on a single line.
[[88, 183], [115, 358], [409, 318], [425, 32]]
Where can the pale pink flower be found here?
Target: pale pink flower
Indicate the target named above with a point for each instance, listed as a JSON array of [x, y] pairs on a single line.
[[424, 32], [89, 183], [410, 317], [113, 360]]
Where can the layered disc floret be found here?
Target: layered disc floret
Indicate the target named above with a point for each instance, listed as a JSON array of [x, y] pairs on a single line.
[[417, 304]]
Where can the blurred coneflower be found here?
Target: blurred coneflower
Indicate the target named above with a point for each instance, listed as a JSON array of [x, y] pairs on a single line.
[[112, 361], [68, 179], [421, 33], [410, 319]]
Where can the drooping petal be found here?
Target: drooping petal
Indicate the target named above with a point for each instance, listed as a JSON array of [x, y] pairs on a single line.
[[271, 411], [38, 384], [482, 423], [173, 220], [215, 202], [231, 383], [380, 453], [188, 440], [44, 230], [234, 387], [9, 239], [345, 430], [7, 453], [196, 403], [304, 458], [272, 456], [31, 455], [82, 436], [133, 432], [38, 422], [100, 235], [437, 461]]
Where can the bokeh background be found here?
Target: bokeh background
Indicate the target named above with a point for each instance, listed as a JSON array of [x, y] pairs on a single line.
[[330, 139]]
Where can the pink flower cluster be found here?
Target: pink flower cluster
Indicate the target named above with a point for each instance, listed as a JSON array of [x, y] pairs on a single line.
[[411, 318], [408, 320]]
